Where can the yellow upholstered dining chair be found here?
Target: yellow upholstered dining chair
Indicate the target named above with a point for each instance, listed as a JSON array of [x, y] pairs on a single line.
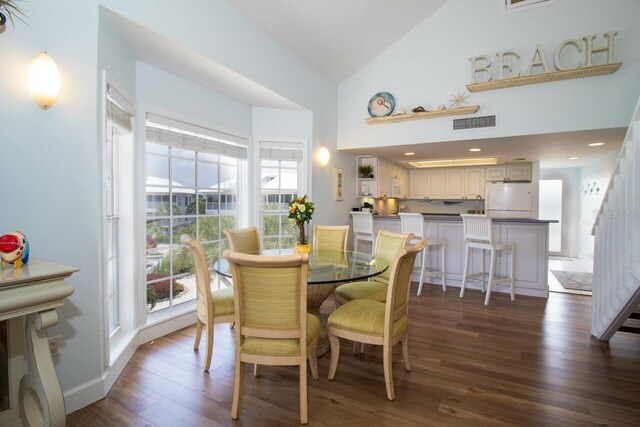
[[245, 240], [379, 323], [387, 246], [330, 237], [211, 306], [272, 324]]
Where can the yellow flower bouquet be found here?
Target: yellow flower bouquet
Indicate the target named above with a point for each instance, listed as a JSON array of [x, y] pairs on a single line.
[[300, 211]]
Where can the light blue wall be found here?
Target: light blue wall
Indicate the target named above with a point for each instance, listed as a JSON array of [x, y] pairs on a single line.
[[50, 164], [159, 89], [430, 63], [49, 167]]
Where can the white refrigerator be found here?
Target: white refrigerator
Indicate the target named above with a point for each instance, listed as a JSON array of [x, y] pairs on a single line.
[[509, 200]]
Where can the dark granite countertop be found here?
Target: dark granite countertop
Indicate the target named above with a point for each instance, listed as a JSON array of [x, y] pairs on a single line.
[[456, 217]]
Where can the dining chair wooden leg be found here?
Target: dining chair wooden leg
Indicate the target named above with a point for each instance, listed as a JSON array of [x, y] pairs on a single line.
[[304, 419], [388, 370], [313, 359], [405, 352], [238, 381], [423, 265], [207, 359], [198, 334], [334, 342]]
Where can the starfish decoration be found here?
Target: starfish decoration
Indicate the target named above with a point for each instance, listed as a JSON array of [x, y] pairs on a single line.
[[459, 100]]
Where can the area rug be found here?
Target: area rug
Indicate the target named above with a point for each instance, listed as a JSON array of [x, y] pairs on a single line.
[[574, 280]]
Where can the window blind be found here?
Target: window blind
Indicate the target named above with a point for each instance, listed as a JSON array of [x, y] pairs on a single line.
[[281, 151], [118, 109], [175, 133]]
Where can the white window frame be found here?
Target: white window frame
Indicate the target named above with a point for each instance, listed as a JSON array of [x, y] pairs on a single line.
[[507, 7], [161, 317], [304, 177], [114, 341]]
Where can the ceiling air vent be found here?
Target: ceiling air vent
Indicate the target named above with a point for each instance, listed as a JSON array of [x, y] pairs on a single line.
[[474, 123]]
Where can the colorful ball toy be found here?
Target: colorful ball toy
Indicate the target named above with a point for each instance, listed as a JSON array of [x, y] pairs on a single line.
[[14, 249]]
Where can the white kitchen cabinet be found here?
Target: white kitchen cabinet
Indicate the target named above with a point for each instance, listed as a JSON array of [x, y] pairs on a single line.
[[435, 184], [454, 183], [417, 184], [520, 172], [473, 183]]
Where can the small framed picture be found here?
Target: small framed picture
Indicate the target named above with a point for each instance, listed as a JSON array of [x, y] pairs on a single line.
[[338, 184]]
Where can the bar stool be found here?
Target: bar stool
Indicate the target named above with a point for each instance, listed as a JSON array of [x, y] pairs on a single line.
[[362, 228], [414, 223], [478, 234]]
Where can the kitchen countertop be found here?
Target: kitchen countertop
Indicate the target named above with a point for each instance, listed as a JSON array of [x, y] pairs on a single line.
[[456, 217]]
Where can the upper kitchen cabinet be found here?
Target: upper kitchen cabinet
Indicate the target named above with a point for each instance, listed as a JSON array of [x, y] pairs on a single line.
[[520, 172], [435, 184], [417, 184], [473, 183], [454, 183], [446, 183]]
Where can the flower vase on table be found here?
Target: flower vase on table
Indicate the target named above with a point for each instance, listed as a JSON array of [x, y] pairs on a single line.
[[300, 212], [302, 248]]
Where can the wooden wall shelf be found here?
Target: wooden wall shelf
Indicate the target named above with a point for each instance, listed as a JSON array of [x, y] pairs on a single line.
[[595, 70], [426, 115]]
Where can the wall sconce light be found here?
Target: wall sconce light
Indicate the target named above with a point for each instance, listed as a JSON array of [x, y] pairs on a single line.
[[44, 80], [325, 156]]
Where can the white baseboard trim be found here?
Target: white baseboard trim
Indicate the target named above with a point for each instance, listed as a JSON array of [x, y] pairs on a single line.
[[96, 389], [84, 395], [165, 327]]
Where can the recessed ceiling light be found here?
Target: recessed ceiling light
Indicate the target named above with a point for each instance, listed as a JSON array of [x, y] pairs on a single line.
[[596, 144], [409, 153], [475, 149], [573, 157]]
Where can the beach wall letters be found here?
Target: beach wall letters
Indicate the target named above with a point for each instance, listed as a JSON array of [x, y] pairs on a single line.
[[572, 58]]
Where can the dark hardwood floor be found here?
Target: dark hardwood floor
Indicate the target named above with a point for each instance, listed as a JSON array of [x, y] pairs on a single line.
[[528, 362]]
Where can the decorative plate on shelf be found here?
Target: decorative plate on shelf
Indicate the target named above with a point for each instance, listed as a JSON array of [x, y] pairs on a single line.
[[381, 104]]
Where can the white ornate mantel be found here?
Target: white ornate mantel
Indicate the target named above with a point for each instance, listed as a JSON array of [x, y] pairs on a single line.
[[34, 291]]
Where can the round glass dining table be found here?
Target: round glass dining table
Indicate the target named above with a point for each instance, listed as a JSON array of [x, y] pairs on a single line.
[[326, 269]]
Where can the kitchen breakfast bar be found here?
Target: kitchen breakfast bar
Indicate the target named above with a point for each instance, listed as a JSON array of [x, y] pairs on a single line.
[[529, 236]]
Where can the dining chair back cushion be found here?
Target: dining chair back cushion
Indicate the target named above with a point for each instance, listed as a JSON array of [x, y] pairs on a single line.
[[388, 244], [272, 323], [477, 228], [330, 237], [245, 240], [379, 323]]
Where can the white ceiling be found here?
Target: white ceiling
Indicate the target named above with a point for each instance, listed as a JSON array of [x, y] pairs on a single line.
[[337, 37], [161, 52]]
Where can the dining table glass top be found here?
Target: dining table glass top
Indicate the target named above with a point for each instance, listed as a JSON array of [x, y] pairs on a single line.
[[326, 266]]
